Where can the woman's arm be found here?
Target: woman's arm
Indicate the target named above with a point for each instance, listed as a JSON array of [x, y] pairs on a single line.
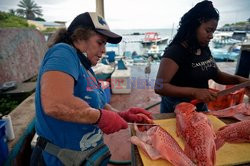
[[167, 70], [59, 102], [227, 79]]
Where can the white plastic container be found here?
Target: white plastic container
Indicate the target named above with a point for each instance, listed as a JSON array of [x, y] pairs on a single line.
[[106, 88], [121, 81]]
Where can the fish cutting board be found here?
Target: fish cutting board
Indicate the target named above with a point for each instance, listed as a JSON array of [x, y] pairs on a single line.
[[228, 154]]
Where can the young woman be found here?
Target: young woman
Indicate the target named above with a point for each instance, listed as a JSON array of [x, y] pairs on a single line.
[[187, 63]]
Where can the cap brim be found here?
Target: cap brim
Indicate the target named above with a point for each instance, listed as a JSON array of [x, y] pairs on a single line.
[[112, 37]]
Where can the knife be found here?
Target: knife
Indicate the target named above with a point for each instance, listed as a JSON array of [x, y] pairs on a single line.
[[226, 91], [233, 89], [143, 124]]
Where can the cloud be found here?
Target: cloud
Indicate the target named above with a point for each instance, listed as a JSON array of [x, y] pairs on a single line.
[[136, 14]]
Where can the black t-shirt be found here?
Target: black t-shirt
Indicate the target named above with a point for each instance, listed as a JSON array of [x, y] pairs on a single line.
[[194, 70]]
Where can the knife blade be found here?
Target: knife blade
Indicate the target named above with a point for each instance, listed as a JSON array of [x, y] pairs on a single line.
[[226, 91], [143, 124], [233, 89]]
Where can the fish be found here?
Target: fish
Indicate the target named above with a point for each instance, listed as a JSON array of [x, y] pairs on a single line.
[[184, 114], [159, 144], [198, 134], [146, 148], [239, 112], [146, 120], [233, 133], [167, 146]]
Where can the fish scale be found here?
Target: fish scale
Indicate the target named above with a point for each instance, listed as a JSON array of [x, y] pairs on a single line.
[[236, 132], [198, 134], [161, 145]]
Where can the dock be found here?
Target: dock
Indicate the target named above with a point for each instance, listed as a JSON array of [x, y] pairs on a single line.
[[140, 96]]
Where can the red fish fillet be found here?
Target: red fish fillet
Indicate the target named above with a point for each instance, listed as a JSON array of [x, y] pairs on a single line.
[[198, 134], [240, 111], [157, 143], [233, 133]]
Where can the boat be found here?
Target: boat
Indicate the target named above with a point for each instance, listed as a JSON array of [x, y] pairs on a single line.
[[227, 53], [221, 40], [224, 55], [225, 46], [103, 71], [239, 35], [154, 52], [153, 37]]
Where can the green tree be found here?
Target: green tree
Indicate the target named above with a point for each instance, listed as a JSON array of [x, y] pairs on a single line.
[[39, 19], [248, 19], [12, 11], [29, 9]]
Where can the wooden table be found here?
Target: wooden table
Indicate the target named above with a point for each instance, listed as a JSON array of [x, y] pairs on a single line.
[[135, 156]]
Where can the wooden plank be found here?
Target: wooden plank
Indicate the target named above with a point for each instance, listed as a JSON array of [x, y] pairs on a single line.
[[26, 87]]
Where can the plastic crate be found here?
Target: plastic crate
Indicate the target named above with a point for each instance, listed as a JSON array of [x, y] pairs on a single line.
[[227, 100], [3, 143]]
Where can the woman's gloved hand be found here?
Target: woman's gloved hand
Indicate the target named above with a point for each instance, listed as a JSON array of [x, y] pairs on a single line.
[[138, 115], [111, 122]]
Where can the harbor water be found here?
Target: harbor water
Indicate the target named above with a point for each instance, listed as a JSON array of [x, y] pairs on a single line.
[[132, 40]]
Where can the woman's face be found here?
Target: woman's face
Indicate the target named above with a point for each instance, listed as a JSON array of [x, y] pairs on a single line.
[[94, 47], [205, 31]]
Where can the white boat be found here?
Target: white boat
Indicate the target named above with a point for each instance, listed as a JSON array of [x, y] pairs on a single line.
[[222, 39], [154, 52], [153, 37]]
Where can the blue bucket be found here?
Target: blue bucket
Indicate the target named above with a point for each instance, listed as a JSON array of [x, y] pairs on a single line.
[[3, 143]]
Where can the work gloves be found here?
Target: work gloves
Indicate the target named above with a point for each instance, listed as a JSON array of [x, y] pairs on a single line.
[[110, 122], [138, 115]]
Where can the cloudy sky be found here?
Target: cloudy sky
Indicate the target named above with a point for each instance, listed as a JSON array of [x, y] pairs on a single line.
[[136, 14]]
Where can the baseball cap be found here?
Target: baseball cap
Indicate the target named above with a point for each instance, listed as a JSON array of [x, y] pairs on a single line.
[[95, 22]]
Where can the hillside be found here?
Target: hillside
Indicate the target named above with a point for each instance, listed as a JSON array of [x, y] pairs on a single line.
[[9, 20], [242, 26]]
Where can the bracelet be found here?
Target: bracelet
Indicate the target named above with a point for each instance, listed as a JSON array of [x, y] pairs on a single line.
[[99, 118]]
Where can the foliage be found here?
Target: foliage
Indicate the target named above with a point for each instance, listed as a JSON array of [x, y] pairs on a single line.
[[12, 11], [7, 105], [39, 19], [29, 9], [241, 23], [10, 20], [49, 30]]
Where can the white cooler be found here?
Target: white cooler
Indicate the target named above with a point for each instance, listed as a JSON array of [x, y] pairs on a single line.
[[121, 81]]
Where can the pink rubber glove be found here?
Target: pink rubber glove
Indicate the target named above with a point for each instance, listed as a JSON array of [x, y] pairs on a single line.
[[138, 115], [111, 122]]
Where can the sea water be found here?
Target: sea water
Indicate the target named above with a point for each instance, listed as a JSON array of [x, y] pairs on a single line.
[[132, 38]]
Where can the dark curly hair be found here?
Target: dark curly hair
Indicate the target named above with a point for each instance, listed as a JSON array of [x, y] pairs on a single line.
[[190, 21]]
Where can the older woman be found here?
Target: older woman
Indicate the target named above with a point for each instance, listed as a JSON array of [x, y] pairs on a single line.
[[71, 109]]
